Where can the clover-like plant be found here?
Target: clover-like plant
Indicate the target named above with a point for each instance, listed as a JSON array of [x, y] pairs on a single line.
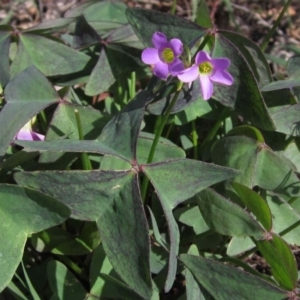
[[130, 186]]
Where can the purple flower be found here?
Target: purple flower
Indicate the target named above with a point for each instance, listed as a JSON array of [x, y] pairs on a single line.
[[208, 70], [29, 135], [164, 55]]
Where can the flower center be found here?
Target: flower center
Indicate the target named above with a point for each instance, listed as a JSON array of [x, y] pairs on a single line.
[[167, 55], [205, 68]]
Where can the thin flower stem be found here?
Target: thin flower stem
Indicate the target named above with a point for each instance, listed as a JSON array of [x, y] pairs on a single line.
[[43, 115], [173, 9], [132, 85], [269, 35], [169, 130], [204, 42], [68, 262], [214, 129], [195, 139], [43, 120], [156, 125], [159, 130], [120, 90], [84, 156]]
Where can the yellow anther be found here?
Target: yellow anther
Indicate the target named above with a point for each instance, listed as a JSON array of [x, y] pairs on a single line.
[[205, 68], [167, 55]]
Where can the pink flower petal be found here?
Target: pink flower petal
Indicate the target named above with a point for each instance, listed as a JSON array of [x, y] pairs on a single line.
[[189, 74], [24, 134], [37, 136], [161, 70], [201, 57], [28, 135], [222, 77], [159, 40], [207, 87], [177, 47], [150, 56], [176, 67], [220, 63]]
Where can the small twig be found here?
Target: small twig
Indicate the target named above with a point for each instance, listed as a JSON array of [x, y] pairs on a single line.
[[40, 6]]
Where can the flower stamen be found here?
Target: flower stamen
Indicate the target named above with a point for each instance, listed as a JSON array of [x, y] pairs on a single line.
[[205, 68], [168, 55]]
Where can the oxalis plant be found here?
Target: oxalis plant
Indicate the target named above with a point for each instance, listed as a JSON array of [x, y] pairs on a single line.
[[145, 156]]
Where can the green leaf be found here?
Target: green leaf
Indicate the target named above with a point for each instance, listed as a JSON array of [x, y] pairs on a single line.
[[292, 153], [226, 217], [237, 152], [249, 131], [231, 281], [35, 212], [258, 165], [106, 197], [125, 239], [123, 59], [193, 291], [84, 34], [198, 176], [191, 216], [202, 17], [165, 150], [278, 100], [275, 173], [239, 245], [65, 183], [284, 217], [63, 283], [112, 163], [199, 108], [17, 159], [158, 263], [64, 124], [50, 57], [4, 58], [26, 95], [255, 203], [100, 11], [31, 288], [292, 66], [59, 241], [101, 77], [252, 54], [101, 265], [16, 291], [286, 221], [68, 146], [187, 96], [281, 259], [123, 289], [243, 94], [50, 26], [114, 60], [281, 84], [121, 133], [126, 36], [159, 239], [145, 22], [287, 119], [189, 175]]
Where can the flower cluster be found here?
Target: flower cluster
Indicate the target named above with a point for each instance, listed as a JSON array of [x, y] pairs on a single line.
[[165, 58]]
